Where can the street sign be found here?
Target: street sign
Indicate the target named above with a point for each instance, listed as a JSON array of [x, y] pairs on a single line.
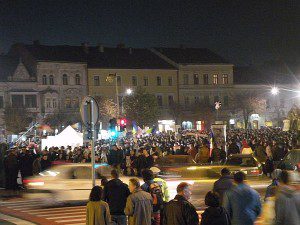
[[89, 111]]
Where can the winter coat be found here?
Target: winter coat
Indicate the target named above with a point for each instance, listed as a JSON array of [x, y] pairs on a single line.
[[36, 167], [242, 204], [179, 211], [203, 155], [139, 208], [215, 216], [233, 149], [97, 213], [26, 161], [261, 155], [115, 194], [287, 206], [115, 157], [222, 185]]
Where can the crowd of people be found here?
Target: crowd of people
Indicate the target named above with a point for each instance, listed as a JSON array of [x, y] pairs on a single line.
[[132, 155], [231, 201]]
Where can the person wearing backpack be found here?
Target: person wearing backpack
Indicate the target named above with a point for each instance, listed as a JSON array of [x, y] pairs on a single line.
[[155, 190], [214, 214]]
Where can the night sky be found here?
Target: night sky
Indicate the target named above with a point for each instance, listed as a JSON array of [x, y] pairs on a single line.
[[242, 31]]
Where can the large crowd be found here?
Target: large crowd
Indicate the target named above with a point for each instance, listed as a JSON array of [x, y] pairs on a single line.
[[149, 203]]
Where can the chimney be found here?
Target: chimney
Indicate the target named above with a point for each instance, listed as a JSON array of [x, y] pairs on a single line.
[[130, 51], [101, 48], [36, 42], [85, 47], [121, 45]]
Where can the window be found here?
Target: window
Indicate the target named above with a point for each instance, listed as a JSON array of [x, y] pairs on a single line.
[[48, 103], [215, 79], [75, 103], [171, 100], [145, 81], [216, 99], [206, 99], [196, 79], [96, 80], [54, 103], [225, 100], [159, 100], [119, 81], [170, 81], [225, 79], [44, 80], [185, 79], [17, 101], [30, 101], [77, 79], [197, 99], [134, 80], [68, 103], [65, 79], [1, 102], [158, 81], [205, 79], [186, 100], [51, 80]]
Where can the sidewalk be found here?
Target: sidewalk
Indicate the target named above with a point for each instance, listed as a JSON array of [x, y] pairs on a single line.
[[9, 220]]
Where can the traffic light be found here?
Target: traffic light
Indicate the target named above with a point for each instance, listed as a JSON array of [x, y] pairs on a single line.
[[123, 123]]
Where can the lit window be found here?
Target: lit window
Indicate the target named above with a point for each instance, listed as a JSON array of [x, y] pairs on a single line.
[[96, 80], [77, 79], [158, 81], [48, 103], [134, 81], [215, 79], [54, 103], [225, 79], [75, 103], [51, 80], [65, 79], [44, 80], [196, 79]]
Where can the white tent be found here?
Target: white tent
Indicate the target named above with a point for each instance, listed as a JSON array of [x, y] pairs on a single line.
[[68, 136]]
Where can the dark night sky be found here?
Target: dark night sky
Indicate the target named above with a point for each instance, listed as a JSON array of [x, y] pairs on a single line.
[[243, 31]]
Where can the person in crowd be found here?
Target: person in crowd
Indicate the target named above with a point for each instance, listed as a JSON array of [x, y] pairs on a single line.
[[272, 188], [242, 203], [214, 214], [162, 183], [260, 152], [223, 184], [287, 203], [25, 162], [269, 164], [155, 189], [11, 169], [104, 181], [45, 162], [97, 211], [149, 159], [138, 205], [246, 149], [115, 157], [115, 194], [233, 148], [180, 211], [140, 162], [36, 165], [203, 154]]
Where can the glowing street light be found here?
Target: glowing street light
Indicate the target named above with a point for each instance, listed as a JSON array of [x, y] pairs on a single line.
[[129, 91], [274, 91]]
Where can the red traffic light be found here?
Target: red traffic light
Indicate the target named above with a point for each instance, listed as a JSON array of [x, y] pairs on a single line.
[[123, 122]]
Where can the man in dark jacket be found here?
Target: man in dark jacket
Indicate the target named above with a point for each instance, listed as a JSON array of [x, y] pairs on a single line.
[[233, 148], [11, 169], [223, 184], [180, 211], [115, 157], [115, 194], [25, 160]]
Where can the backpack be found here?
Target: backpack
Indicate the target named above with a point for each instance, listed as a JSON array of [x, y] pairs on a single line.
[[157, 196]]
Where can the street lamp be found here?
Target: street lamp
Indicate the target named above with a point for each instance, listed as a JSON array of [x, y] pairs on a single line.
[[129, 91], [274, 91]]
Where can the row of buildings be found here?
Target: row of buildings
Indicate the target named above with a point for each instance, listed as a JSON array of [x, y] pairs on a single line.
[[50, 79]]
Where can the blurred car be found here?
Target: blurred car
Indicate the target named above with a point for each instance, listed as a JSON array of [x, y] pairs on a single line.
[[66, 182]]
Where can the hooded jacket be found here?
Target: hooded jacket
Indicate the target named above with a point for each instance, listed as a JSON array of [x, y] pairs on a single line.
[[115, 194], [215, 216], [242, 203], [287, 206]]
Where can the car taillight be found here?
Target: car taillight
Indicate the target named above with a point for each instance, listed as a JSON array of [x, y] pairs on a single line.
[[255, 172], [33, 182]]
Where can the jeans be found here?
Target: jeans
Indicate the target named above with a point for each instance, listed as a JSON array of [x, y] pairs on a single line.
[[119, 219]]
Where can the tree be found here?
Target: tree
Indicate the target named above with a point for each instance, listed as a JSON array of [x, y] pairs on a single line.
[[294, 117], [176, 111], [107, 108], [204, 112], [142, 108], [247, 103], [59, 118], [17, 119]]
